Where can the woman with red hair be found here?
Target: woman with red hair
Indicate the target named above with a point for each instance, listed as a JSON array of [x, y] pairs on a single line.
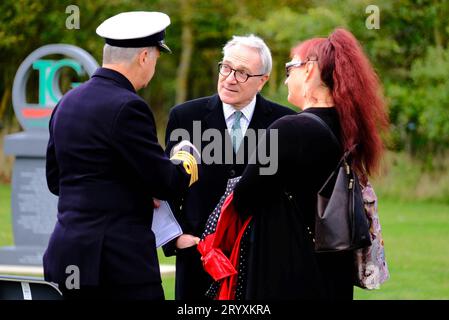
[[330, 78]]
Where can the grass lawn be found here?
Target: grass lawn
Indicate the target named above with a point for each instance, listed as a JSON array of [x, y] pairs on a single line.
[[5, 216], [416, 242], [416, 237], [169, 287]]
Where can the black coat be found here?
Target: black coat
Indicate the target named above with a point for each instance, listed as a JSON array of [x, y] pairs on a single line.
[[105, 164], [282, 263], [194, 207]]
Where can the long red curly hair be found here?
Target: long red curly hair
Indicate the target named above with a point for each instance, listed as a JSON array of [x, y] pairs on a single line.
[[356, 91]]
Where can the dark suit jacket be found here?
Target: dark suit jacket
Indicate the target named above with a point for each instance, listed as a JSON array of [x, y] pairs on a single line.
[[195, 206], [105, 164]]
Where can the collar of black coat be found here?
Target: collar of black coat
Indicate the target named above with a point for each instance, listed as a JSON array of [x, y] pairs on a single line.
[[115, 76]]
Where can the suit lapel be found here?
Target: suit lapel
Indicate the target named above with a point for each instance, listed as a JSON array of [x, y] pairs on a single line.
[[261, 114], [259, 120], [215, 118]]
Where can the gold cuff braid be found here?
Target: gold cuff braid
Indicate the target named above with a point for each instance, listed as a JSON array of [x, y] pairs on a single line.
[[189, 163]]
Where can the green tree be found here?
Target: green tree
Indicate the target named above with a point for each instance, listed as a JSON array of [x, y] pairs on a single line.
[[409, 51]]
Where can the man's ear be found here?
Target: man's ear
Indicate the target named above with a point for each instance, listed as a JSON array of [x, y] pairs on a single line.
[[143, 56], [263, 80]]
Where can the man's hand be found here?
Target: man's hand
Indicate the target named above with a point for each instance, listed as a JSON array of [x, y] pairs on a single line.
[[186, 240], [156, 203]]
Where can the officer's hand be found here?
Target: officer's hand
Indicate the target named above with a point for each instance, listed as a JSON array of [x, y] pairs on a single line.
[[156, 203], [186, 241]]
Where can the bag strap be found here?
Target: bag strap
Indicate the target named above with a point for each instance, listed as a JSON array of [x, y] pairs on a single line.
[[323, 123], [332, 134], [291, 197]]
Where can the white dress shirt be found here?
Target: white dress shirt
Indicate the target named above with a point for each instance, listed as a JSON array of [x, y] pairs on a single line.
[[247, 111]]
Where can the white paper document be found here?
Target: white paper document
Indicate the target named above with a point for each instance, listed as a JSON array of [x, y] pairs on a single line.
[[165, 226]]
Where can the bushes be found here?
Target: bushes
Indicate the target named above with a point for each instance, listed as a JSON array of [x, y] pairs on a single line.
[[405, 178], [419, 108]]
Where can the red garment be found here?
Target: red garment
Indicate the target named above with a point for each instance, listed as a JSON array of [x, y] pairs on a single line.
[[223, 243]]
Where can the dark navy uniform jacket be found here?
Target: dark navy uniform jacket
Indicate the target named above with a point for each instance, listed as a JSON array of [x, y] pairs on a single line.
[[105, 164]]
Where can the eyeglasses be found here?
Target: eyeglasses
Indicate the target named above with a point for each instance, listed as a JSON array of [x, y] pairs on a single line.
[[239, 75], [294, 64]]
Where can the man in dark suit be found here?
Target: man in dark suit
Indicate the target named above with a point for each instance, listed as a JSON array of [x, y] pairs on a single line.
[[235, 111], [106, 165]]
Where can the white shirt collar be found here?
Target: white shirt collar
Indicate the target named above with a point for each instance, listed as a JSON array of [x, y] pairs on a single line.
[[248, 110]]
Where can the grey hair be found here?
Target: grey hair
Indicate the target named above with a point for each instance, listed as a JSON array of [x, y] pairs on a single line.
[[112, 55], [257, 43]]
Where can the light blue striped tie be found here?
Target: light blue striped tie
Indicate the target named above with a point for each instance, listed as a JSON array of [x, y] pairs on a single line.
[[236, 131]]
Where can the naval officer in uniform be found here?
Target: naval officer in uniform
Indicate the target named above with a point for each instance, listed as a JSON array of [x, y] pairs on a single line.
[[106, 165]]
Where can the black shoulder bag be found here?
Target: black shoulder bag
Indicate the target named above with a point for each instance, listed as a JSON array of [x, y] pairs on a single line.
[[340, 220]]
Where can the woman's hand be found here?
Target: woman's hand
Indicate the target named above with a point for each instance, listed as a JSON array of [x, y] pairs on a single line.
[[186, 240]]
